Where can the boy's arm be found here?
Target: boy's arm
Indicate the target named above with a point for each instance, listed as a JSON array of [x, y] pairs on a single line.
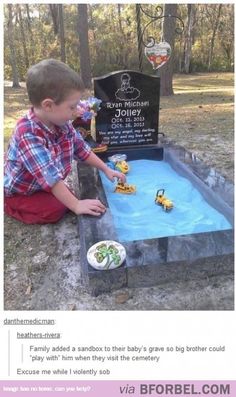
[[83, 152], [96, 162], [38, 161], [90, 207]]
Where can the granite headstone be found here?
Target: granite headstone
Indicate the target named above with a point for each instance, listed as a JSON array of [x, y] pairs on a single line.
[[130, 108]]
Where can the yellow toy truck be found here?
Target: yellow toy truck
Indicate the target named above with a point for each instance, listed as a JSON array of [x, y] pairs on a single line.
[[118, 162], [163, 201], [122, 166]]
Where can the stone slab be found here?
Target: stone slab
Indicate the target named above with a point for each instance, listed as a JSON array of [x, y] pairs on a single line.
[[159, 260]]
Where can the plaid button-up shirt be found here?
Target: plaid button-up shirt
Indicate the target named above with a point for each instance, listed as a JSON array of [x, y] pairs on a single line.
[[37, 158]]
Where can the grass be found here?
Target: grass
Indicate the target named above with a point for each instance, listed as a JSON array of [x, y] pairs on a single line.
[[200, 116], [15, 104]]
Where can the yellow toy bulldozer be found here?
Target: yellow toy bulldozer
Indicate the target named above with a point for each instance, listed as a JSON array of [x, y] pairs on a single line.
[[164, 201], [124, 188]]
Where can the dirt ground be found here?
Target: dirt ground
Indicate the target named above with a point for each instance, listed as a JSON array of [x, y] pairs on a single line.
[[41, 263]]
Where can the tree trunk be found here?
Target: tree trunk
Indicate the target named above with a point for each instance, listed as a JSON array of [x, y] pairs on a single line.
[[62, 33], [85, 66], [55, 19], [189, 38], [119, 18], [166, 71], [28, 17], [26, 56], [10, 32], [30, 34], [213, 37], [92, 27]]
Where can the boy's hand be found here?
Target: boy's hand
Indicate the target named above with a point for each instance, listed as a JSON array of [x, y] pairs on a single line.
[[90, 207], [111, 174]]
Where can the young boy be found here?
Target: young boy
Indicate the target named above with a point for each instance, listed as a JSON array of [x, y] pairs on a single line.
[[42, 148]]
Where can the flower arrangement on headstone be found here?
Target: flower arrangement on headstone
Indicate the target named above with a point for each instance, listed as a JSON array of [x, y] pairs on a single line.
[[86, 110]]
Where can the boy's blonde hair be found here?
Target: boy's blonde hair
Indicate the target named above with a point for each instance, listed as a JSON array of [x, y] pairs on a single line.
[[51, 79]]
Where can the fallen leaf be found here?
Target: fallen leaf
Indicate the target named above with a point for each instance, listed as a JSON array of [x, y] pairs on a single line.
[[71, 306], [122, 297], [28, 291]]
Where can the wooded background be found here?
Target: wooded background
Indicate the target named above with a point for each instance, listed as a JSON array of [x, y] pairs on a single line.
[[95, 39]]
